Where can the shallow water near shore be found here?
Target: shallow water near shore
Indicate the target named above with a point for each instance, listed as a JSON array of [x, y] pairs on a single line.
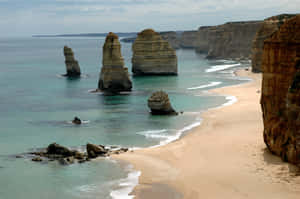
[[37, 104]]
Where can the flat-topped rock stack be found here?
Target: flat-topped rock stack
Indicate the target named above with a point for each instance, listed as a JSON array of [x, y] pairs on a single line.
[[72, 66], [280, 100], [152, 55], [114, 76], [269, 26]]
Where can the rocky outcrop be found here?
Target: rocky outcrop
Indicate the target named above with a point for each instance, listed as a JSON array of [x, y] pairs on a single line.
[[159, 104], [65, 156], [280, 99], [228, 41], [188, 39], [152, 55], [114, 76], [94, 151], [269, 26], [72, 66]]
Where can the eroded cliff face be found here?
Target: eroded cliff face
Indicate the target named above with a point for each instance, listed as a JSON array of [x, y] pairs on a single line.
[[172, 38], [152, 55], [280, 98], [72, 66], [188, 39], [228, 41], [114, 76], [269, 26]]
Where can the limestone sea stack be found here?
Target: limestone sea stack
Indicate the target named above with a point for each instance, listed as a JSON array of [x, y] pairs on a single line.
[[114, 76], [280, 100], [152, 55], [159, 104], [72, 66], [269, 26]]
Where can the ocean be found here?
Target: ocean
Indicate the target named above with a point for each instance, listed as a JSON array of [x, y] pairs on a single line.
[[37, 105]]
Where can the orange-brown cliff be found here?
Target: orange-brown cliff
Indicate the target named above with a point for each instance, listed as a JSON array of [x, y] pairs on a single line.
[[280, 98], [269, 26]]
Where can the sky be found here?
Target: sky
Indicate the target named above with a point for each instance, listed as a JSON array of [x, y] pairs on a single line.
[[29, 17]]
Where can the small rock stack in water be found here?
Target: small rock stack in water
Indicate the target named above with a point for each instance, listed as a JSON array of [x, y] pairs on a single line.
[[114, 76], [280, 98], [159, 104], [269, 26], [152, 55], [72, 66]]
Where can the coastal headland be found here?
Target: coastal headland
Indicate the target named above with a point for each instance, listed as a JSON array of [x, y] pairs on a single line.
[[225, 157]]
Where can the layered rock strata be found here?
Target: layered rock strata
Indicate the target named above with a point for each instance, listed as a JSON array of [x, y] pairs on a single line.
[[159, 104], [228, 41], [152, 55], [269, 26], [280, 100], [114, 77], [72, 66], [188, 39], [172, 37]]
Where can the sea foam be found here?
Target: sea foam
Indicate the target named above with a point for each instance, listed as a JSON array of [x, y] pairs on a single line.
[[221, 67], [126, 185], [211, 84]]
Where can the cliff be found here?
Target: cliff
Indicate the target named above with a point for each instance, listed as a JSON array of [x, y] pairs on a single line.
[[188, 39], [172, 38], [269, 26], [114, 76], [228, 41], [280, 99], [72, 66], [152, 55]]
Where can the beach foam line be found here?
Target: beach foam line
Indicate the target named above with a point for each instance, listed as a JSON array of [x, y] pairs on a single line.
[[171, 138], [211, 84], [153, 133], [221, 67], [126, 185]]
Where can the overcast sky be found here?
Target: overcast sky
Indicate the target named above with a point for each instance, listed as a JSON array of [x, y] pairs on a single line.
[[27, 17]]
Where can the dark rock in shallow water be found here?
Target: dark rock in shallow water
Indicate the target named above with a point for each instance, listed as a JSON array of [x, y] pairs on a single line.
[[72, 66], [94, 151], [37, 159], [65, 156], [59, 150], [76, 120], [159, 104]]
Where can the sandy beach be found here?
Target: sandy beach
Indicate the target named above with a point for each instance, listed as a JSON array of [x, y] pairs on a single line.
[[225, 157]]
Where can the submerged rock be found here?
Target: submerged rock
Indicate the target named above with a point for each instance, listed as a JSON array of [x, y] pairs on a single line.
[[269, 26], [159, 104], [76, 120], [152, 55], [72, 66], [280, 98], [114, 76]]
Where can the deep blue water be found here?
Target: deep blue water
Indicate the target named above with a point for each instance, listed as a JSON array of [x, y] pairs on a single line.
[[36, 104]]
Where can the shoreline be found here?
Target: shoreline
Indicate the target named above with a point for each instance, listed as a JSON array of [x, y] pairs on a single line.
[[190, 166]]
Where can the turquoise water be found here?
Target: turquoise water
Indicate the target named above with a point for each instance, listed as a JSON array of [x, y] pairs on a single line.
[[37, 103]]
